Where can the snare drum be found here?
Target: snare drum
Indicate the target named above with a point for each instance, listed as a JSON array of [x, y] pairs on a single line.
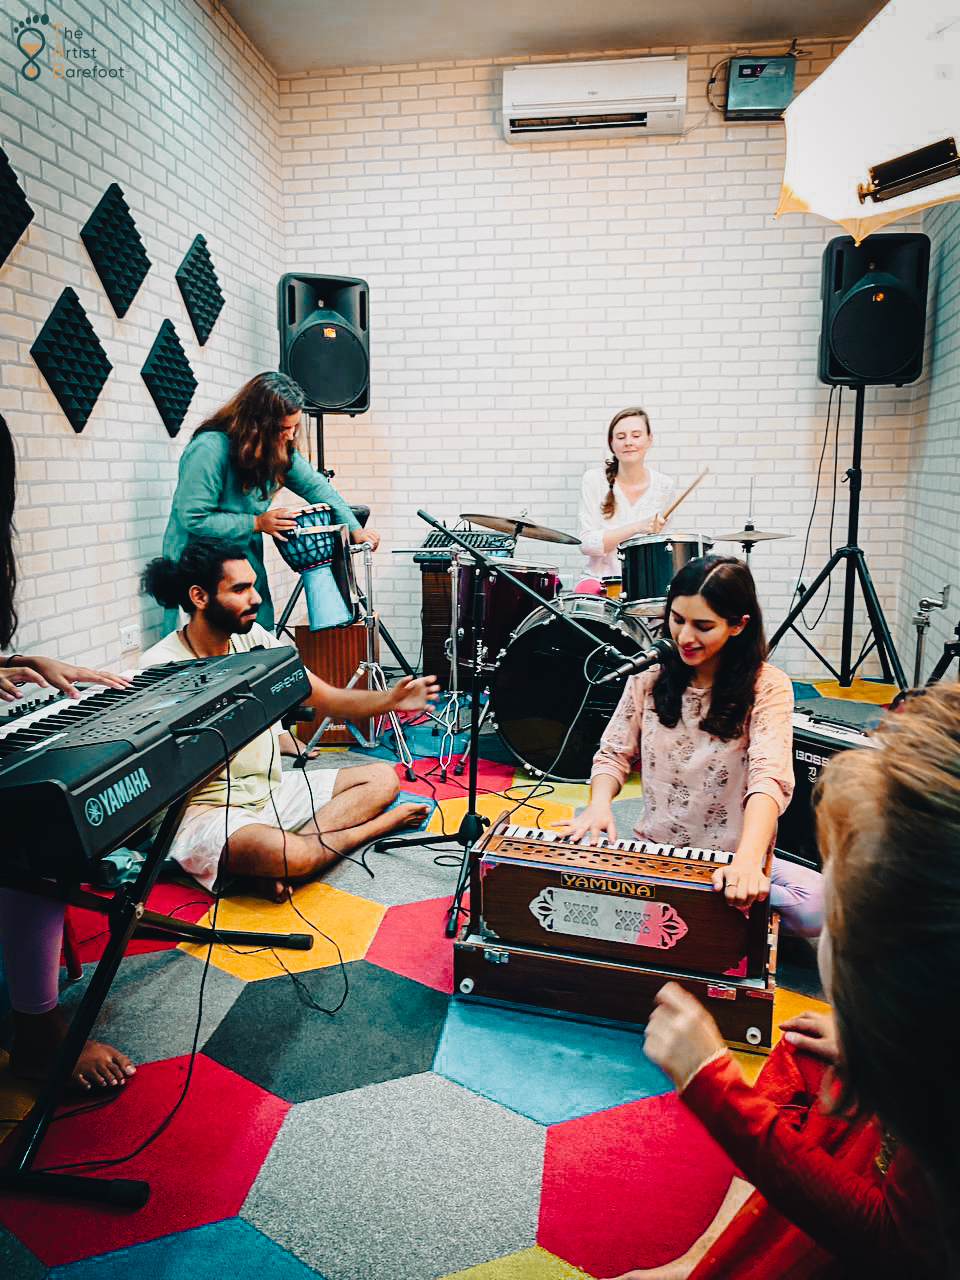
[[320, 552], [542, 678], [504, 606], [651, 561]]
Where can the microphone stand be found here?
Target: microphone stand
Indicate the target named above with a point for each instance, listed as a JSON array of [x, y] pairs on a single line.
[[473, 822]]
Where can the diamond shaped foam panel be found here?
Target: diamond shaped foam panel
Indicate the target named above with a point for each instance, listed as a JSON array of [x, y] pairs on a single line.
[[169, 377], [69, 355], [200, 288], [115, 249], [15, 213]]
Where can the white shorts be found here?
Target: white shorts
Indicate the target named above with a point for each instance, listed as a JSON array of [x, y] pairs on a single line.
[[205, 828]]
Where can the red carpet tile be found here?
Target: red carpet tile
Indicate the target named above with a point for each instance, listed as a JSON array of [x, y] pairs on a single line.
[[200, 1169], [186, 903], [617, 1190], [490, 777], [411, 941]]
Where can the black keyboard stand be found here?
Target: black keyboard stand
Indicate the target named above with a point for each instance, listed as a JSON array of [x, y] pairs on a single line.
[[127, 915]]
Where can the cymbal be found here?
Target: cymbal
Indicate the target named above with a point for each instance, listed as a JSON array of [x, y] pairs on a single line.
[[749, 536], [521, 528]]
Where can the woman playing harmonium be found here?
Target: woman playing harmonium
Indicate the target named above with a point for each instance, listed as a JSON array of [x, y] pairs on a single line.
[[712, 729], [624, 499], [234, 466]]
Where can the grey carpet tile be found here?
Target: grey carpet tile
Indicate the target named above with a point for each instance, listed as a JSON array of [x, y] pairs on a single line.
[[151, 1011], [407, 874], [407, 1180], [16, 1260]]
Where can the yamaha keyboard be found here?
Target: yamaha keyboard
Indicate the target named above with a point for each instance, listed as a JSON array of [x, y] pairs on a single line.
[[78, 777]]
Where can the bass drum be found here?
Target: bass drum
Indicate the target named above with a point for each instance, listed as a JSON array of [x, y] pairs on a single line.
[[540, 682]]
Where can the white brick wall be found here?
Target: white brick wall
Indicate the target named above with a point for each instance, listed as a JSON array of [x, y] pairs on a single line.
[[190, 134], [519, 296]]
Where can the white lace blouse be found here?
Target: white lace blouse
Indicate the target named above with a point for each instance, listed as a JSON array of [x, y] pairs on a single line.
[[592, 525]]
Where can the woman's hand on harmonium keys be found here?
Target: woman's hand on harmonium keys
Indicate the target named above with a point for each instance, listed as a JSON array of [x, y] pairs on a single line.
[[742, 882], [588, 827]]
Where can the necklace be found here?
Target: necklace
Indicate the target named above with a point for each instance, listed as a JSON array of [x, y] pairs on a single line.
[[186, 641]]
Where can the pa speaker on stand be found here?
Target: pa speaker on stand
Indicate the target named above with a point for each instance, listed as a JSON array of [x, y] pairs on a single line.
[[324, 324], [874, 315], [874, 310]]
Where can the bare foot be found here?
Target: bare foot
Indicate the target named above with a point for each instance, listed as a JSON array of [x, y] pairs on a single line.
[[269, 888], [37, 1041], [408, 814]]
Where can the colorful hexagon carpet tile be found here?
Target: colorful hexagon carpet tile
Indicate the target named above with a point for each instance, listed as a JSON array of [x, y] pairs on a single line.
[[342, 1113]]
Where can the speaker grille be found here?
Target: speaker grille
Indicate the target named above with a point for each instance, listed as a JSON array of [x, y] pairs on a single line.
[[877, 331], [329, 361]]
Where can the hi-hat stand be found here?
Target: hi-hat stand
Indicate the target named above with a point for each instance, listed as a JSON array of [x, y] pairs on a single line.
[[473, 822], [851, 555]]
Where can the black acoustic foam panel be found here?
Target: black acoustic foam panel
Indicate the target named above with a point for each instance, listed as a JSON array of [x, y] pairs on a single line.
[[169, 377], [69, 355], [200, 288], [15, 213], [115, 249]]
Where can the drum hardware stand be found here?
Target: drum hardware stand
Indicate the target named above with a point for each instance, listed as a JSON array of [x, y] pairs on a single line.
[[472, 824], [856, 569], [126, 914], [921, 620], [377, 680]]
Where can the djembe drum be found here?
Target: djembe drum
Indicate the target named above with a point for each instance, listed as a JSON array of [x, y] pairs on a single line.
[[319, 551]]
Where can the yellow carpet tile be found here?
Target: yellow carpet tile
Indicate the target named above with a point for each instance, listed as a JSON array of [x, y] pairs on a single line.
[[578, 793], [529, 1264], [492, 806], [351, 921], [859, 691], [786, 1004]]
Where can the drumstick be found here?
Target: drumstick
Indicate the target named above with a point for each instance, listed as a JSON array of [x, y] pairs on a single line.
[[686, 493]]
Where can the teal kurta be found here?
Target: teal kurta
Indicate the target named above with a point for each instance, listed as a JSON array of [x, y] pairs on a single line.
[[210, 502]]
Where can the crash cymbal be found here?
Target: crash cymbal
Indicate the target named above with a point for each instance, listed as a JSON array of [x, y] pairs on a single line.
[[749, 536], [521, 528]]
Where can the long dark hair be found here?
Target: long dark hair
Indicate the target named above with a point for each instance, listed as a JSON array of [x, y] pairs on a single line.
[[609, 503], [888, 825], [252, 421], [8, 564], [200, 565], [727, 585]]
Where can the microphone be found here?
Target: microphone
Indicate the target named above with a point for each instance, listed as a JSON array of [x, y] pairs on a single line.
[[659, 650]]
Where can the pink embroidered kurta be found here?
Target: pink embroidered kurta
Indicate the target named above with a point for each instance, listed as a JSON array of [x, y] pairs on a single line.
[[694, 785]]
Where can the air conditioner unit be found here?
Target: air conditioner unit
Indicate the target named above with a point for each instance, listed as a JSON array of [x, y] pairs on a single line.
[[613, 98]]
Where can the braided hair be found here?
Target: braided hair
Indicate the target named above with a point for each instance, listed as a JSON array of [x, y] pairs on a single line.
[[609, 503]]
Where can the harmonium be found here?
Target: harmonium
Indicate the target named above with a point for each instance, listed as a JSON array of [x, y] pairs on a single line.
[[596, 930]]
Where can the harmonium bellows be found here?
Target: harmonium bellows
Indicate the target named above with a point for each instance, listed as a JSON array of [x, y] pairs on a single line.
[[598, 929]]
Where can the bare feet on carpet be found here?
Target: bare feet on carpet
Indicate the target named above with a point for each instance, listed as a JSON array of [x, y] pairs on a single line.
[[402, 817], [37, 1043]]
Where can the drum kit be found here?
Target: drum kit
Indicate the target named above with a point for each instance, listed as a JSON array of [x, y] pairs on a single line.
[[544, 701]]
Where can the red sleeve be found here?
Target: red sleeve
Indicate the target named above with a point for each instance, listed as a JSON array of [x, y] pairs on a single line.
[[837, 1197]]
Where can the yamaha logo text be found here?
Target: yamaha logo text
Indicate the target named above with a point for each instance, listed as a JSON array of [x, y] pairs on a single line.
[[113, 798]]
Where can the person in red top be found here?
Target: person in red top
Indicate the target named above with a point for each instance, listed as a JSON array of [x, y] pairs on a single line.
[[848, 1144]]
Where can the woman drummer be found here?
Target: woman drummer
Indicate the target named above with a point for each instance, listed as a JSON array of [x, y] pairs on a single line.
[[712, 729], [622, 500], [232, 469]]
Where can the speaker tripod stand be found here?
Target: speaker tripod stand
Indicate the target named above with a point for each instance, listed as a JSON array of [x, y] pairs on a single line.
[[852, 557]]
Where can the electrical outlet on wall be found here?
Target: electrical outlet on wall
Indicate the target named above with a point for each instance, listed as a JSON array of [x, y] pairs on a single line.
[[129, 638]]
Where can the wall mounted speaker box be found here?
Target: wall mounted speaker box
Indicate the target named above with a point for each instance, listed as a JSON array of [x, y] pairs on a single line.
[[334, 656], [874, 310], [324, 324], [821, 728]]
